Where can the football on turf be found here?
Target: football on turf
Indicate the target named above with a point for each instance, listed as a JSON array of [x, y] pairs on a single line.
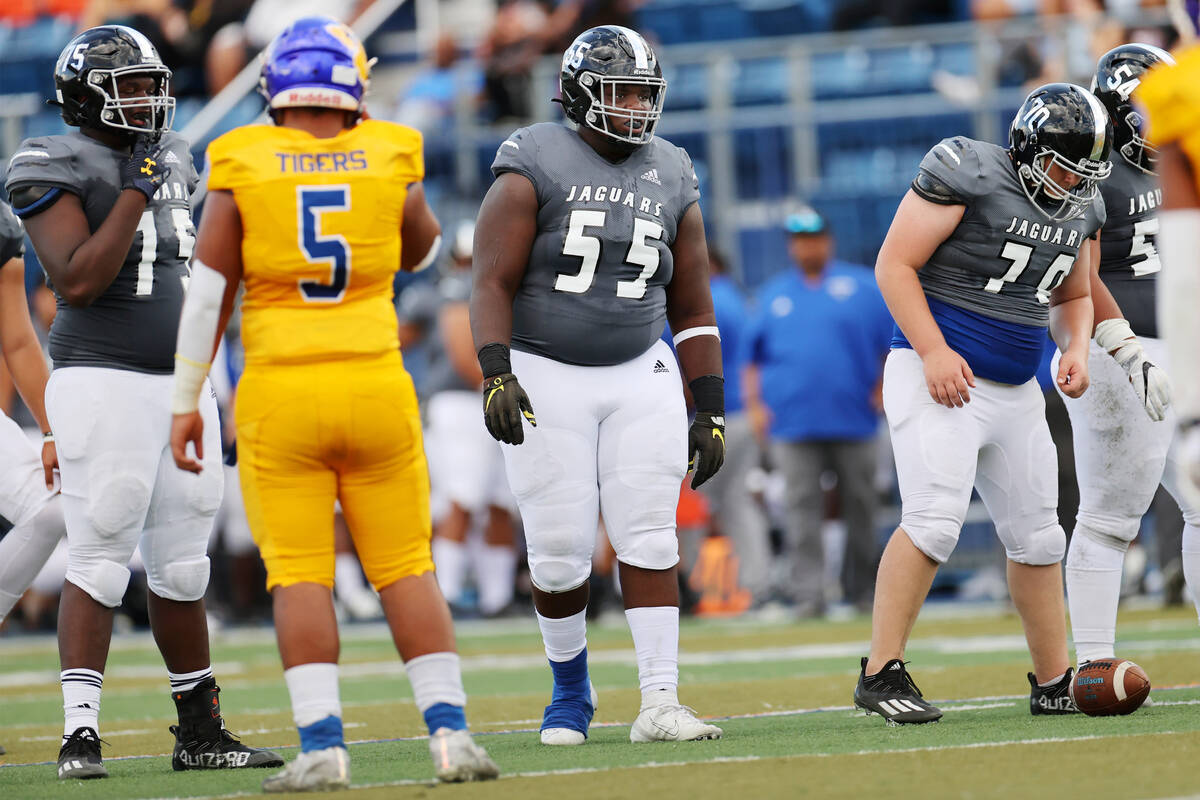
[[1109, 686]]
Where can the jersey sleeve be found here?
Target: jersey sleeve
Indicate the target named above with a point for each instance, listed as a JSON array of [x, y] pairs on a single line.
[[1099, 215], [187, 167], [47, 162], [690, 188], [955, 167], [12, 235], [518, 153], [1171, 97], [227, 168]]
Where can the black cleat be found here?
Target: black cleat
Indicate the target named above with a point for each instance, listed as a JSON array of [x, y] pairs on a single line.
[[892, 694], [201, 741], [79, 756], [1055, 699]]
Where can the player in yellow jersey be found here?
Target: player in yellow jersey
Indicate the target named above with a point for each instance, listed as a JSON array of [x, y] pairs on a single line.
[[315, 214], [1170, 96]]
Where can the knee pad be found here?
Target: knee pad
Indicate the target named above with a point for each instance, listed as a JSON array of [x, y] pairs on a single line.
[[1042, 548], [560, 559], [205, 492], [934, 536], [181, 581], [117, 502], [1105, 539], [105, 581], [655, 549]]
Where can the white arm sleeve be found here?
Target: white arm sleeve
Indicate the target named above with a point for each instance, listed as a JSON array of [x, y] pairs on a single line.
[[1178, 298], [197, 330]]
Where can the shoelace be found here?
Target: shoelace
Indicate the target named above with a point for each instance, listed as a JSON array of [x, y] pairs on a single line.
[[902, 681], [80, 739]]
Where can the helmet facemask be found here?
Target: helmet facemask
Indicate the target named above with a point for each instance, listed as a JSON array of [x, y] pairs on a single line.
[[1042, 190], [115, 113], [1138, 151], [604, 111]]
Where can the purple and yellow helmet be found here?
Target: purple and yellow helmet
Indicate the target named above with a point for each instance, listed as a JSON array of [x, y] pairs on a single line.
[[317, 62]]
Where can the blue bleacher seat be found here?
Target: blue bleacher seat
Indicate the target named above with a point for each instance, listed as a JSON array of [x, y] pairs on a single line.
[[760, 81]]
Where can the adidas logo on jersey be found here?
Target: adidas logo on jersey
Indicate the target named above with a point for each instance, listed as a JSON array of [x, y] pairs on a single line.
[[659, 366], [652, 176], [170, 158]]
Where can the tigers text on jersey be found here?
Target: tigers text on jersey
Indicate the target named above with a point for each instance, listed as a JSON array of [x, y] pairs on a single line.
[[132, 324], [593, 292], [1005, 257], [321, 236], [1129, 262]]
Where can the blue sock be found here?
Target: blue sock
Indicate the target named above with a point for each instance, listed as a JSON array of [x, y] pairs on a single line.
[[571, 704], [321, 734], [444, 715]]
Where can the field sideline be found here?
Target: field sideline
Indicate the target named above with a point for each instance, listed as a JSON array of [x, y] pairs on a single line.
[[782, 693]]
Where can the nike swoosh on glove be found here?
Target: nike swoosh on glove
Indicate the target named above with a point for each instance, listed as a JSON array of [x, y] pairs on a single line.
[[706, 446], [1149, 381], [504, 405], [144, 170]]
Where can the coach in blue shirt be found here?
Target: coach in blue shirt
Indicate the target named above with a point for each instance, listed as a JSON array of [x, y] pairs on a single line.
[[814, 356]]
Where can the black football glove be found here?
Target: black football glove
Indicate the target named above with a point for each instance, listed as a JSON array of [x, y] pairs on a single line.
[[144, 170], [504, 404], [706, 446]]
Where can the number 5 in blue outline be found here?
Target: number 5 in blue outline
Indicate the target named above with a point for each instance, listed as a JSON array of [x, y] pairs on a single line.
[[331, 248]]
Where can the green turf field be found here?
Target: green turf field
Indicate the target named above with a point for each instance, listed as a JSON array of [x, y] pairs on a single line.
[[781, 692]]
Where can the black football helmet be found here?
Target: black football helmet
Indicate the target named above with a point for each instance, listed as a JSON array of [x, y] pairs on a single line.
[[1064, 125], [86, 75], [1117, 76], [596, 62]]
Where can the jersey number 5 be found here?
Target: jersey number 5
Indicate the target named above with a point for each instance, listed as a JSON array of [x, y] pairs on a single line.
[[332, 249], [587, 248]]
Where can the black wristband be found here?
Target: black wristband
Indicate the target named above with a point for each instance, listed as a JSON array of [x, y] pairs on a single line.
[[709, 393], [493, 359]]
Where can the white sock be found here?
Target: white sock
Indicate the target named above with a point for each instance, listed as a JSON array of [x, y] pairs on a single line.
[[1052, 681], [186, 681], [347, 576], [81, 699], [656, 641], [1093, 592], [436, 678], [25, 550], [564, 638], [450, 564], [495, 572], [1191, 561], [314, 692]]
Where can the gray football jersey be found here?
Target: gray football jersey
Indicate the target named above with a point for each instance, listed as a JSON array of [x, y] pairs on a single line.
[[1004, 257], [1129, 261], [594, 289], [12, 235], [132, 325]]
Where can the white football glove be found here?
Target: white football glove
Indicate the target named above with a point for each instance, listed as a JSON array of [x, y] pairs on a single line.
[[1150, 382]]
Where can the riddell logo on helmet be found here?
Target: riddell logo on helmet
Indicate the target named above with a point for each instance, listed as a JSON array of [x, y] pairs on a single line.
[[314, 97]]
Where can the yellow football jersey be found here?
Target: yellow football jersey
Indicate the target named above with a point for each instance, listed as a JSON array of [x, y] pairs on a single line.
[[1171, 97], [320, 236]]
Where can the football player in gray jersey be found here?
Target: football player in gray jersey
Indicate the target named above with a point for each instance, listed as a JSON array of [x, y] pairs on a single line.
[[588, 242], [1123, 435], [985, 252], [107, 209]]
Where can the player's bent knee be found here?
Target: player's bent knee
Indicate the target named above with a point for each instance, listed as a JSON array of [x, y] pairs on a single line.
[[181, 581], [657, 549], [205, 492], [1115, 541], [118, 503], [105, 581], [935, 538], [1042, 548]]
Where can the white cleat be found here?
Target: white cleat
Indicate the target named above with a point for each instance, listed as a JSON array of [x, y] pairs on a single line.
[[314, 771], [568, 736], [457, 758], [670, 723]]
